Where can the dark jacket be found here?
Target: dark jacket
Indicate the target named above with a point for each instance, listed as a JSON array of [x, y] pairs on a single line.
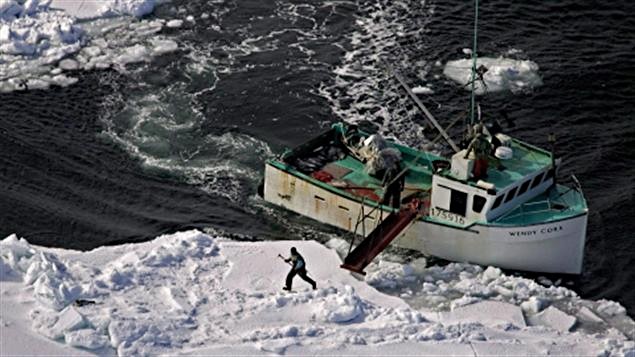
[[297, 261]]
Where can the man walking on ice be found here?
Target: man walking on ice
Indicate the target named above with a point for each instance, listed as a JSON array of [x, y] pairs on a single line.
[[298, 266]]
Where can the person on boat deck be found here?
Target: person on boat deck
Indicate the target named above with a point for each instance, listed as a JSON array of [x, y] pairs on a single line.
[[298, 267], [392, 196], [481, 147]]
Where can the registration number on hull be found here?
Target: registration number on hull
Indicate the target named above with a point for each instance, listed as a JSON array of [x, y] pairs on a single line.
[[447, 215]]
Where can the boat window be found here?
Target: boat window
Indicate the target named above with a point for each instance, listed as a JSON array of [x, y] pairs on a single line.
[[524, 187], [548, 175], [478, 203], [458, 202], [498, 201], [511, 194], [537, 180]]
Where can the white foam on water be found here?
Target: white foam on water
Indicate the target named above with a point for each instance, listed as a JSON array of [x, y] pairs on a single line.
[[164, 129], [364, 89], [198, 293]]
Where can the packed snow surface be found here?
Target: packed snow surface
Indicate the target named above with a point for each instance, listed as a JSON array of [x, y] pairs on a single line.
[[43, 42], [503, 74], [194, 293]]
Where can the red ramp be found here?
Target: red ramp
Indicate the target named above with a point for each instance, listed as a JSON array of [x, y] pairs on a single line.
[[378, 240]]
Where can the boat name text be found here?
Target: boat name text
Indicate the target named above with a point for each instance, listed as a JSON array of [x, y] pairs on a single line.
[[534, 232]]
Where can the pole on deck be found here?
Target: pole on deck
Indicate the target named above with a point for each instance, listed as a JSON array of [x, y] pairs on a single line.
[[425, 111]]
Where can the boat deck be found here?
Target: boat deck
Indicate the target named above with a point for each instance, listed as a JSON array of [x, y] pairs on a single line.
[[326, 163], [526, 160], [348, 174]]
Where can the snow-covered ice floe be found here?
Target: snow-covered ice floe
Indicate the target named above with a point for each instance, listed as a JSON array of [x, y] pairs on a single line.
[[194, 293], [42, 41], [503, 74]]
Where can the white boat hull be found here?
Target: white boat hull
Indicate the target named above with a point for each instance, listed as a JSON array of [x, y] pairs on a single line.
[[555, 247]]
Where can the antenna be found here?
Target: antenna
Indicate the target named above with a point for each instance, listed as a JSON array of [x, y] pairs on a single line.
[[474, 55]]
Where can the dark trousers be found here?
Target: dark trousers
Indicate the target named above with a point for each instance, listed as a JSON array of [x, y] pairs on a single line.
[[302, 273], [480, 168], [393, 196]]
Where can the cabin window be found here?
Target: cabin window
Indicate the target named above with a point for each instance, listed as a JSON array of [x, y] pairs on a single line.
[[511, 194], [524, 187], [498, 201], [458, 202], [478, 203], [537, 180], [442, 197], [549, 174]]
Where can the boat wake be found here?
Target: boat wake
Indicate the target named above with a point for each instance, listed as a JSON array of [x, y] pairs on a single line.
[[363, 88]]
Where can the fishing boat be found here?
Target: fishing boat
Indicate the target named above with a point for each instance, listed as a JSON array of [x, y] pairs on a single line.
[[493, 202]]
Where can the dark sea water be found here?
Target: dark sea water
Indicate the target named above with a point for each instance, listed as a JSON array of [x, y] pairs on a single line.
[[180, 143]]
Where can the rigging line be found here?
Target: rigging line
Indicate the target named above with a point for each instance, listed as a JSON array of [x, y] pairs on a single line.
[[474, 55]]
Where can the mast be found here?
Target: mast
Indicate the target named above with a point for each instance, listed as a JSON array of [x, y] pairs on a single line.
[[424, 110], [474, 55]]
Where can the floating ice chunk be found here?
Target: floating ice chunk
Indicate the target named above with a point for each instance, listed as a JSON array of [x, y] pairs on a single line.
[[90, 9], [422, 90], [80, 9], [554, 318], [513, 51], [610, 308], [386, 274], [491, 273], [533, 305], [91, 51], [503, 74], [136, 8], [586, 314], [133, 54], [544, 281], [34, 37], [174, 23], [68, 64], [164, 46]]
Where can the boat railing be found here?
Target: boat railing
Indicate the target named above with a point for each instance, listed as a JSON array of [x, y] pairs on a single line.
[[361, 219], [529, 209]]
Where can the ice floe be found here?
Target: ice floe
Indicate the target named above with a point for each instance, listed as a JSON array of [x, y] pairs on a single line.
[[195, 293], [42, 42], [83, 9], [503, 74]]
